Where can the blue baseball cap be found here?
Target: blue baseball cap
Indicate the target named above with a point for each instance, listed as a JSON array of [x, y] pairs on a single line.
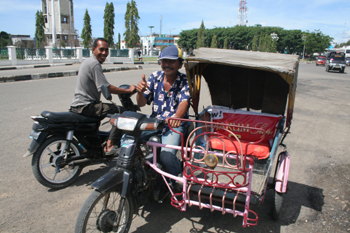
[[171, 52]]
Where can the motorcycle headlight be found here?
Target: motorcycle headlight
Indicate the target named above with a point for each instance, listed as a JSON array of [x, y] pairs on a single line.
[[124, 123]]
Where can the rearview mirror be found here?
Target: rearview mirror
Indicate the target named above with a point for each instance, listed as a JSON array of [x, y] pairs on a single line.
[[105, 92]]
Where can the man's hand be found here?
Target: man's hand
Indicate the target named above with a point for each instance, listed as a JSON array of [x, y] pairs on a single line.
[[132, 88], [142, 85], [173, 123]]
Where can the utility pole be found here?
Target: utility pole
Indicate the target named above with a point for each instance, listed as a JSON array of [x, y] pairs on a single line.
[[303, 37], [150, 44], [160, 25]]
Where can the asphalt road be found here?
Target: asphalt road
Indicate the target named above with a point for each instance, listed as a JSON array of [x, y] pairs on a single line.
[[318, 190]]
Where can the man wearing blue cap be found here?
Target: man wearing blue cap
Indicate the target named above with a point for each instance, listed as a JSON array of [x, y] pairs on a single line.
[[169, 91]]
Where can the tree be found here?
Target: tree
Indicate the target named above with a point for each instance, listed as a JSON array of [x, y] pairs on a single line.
[[131, 17], [262, 43], [317, 42], [62, 44], [255, 43], [188, 39], [200, 36], [5, 39], [87, 32], [108, 31], [39, 29], [243, 37], [214, 42], [119, 41], [342, 44], [225, 43]]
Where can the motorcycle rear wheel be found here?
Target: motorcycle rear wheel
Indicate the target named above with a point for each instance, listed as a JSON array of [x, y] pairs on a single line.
[[99, 211], [48, 163]]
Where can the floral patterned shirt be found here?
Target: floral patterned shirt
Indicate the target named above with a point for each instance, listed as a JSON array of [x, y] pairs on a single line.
[[165, 103]]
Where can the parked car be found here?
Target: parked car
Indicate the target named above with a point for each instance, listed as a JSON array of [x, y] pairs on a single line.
[[348, 61], [321, 60], [335, 61]]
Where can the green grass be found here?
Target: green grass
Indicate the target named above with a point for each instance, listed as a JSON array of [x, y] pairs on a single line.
[[146, 59]]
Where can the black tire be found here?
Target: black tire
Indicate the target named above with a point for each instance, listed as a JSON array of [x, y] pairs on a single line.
[[277, 205], [341, 71], [46, 158], [99, 210]]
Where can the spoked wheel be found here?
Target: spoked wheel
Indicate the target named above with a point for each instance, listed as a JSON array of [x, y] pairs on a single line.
[[99, 213], [49, 163]]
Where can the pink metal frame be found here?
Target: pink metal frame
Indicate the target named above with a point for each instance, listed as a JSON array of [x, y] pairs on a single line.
[[239, 175]]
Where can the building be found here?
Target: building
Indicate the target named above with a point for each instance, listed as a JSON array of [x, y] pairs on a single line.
[[59, 23], [22, 41], [157, 42]]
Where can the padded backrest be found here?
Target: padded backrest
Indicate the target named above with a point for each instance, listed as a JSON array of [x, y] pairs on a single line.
[[268, 122]]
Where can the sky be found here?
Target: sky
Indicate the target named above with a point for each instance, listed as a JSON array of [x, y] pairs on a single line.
[[328, 16]]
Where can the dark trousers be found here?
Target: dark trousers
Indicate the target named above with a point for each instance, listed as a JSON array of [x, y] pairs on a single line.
[[100, 110]]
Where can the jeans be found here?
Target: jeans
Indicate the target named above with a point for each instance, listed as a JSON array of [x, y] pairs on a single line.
[[168, 156]]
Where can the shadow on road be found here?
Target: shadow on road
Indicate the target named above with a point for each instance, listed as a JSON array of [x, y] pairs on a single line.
[[165, 218], [90, 174]]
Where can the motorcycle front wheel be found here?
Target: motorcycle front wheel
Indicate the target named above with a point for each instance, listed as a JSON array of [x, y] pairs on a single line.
[[99, 212], [49, 163]]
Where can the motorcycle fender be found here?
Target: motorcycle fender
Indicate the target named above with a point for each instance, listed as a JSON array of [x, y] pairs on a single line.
[[283, 173], [114, 178], [34, 145]]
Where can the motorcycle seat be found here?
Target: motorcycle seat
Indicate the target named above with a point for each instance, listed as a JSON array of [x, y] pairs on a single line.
[[69, 117]]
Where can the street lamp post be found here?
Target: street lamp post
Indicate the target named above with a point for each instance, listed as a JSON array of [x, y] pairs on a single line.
[[170, 34], [303, 37], [150, 35], [274, 38]]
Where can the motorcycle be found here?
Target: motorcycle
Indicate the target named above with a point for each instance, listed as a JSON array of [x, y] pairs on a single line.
[[118, 194], [63, 143]]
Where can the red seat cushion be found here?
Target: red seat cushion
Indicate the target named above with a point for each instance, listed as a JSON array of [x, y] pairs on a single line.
[[258, 150], [245, 125]]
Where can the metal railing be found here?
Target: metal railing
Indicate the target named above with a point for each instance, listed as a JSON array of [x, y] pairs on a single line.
[[28, 53], [119, 53], [4, 54], [86, 52], [64, 53]]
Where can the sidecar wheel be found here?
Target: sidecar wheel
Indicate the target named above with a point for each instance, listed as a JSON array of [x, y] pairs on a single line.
[[277, 205], [49, 164], [99, 211]]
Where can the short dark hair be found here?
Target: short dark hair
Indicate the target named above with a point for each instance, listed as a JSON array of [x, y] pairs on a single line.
[[100, 38]]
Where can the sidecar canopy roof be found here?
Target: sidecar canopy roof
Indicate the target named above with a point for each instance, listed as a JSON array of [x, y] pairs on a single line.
[[245, 79]]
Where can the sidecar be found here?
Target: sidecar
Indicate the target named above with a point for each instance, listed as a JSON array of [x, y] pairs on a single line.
[[236, 151]]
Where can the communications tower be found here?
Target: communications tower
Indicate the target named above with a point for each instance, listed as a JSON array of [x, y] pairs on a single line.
[[242, 13]]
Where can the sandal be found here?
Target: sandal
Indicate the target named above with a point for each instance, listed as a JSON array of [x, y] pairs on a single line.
[[113, 151]]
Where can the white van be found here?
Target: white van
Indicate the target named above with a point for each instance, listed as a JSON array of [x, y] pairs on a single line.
[[347, 51]]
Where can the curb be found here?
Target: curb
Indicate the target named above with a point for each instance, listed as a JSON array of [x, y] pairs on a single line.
[[15, 78], [33, 66]]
